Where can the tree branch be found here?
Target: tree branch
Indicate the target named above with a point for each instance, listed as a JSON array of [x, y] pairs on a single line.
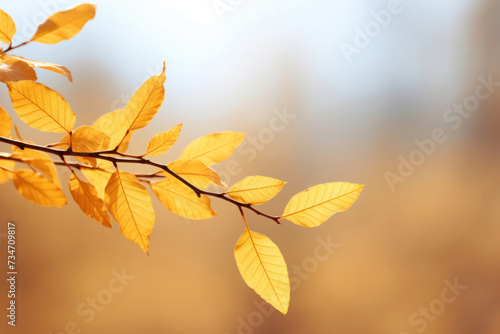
[[116, 157]]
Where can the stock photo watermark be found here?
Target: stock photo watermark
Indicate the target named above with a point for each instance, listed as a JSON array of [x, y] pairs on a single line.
[[363, 36], [87, 310], [253, 144], [454, 118], [121, 102], [11, 273], [297, 274], [421, 319], [29, 26], [222, 7]]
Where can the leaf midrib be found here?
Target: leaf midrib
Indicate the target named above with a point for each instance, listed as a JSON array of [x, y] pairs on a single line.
[[130, 209], [40, 108], [321, 203], [263, 267]]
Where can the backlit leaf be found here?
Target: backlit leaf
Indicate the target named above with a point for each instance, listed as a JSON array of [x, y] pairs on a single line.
[[5, 174], [113, 124], [46, 66], [213, 148], [98, 177], [182, 200], [255, 189], [7, 27], [162, 142], [130, 204], [5, 123], [195, 172], [64, 25], [39, 160], [85, 195], [85, 139], [41, 107], [263, 269], [145, 102], [315, 205], [15, 70], [37, 189]]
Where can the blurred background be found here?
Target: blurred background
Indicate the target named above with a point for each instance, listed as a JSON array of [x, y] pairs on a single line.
[[326, 91]]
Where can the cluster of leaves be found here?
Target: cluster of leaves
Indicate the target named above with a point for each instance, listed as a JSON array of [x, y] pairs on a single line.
[[58, 27], [100, 187]]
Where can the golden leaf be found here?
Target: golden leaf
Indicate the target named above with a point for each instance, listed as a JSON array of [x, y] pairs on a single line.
[[64, 25], [255, 189], [39, 160], [162, 142], [85, 195], [182, 200], [315, 205], [41, 107], [113, 124], [6, 166], [213, 148], [85, 139], [145, 102], [15, 70], [130, 204], [98, 177], [7, 27], [5, 123], [46, 66], [263, 268], [37, 189], [195, 172]]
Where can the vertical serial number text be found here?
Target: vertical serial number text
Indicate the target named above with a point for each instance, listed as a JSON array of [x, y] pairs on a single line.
[[11, 273]]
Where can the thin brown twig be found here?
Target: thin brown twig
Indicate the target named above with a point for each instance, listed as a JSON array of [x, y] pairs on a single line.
[[80, 167], [10, 47], [116, 157]]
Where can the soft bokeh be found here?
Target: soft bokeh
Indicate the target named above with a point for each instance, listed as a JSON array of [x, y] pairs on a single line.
[[395, 248]]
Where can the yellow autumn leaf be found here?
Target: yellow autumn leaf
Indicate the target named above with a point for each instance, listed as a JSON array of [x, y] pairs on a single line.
[[37, 189], [255, 189], [85, 139], [15, 70], [145, 102], [315, 205], [85, 195], [38, 160], [41, 107], [195, 172], [214, 147], [46, 66], [162, 142], [182, 200], [130, 204], [7, 27], [5, 123], [113, 124], [98, 177], [64, 25], [263, 268], [6, 166]]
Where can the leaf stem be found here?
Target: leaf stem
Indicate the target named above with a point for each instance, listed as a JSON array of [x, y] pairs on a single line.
[[10, 47]]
